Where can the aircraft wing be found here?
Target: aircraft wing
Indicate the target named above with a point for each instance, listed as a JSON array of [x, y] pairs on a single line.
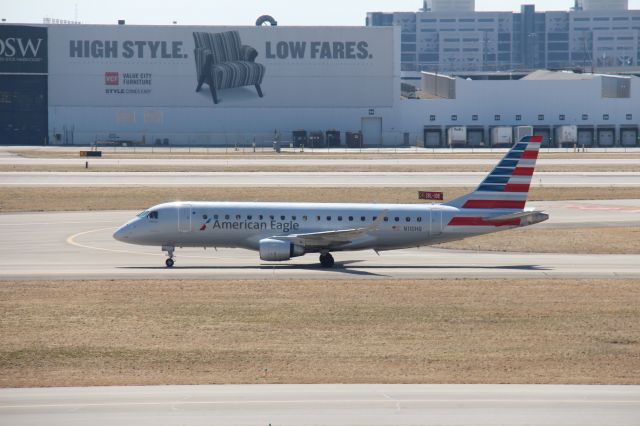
[[337, 238]]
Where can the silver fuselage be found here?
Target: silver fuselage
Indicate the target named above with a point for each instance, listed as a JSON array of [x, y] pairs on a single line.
[[244, 225]]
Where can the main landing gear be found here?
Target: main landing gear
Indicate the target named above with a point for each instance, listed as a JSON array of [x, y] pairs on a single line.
[[169, 249], [326, 260]]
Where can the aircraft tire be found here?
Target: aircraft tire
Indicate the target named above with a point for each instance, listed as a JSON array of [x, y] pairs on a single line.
[[169, 262], [326, 260]]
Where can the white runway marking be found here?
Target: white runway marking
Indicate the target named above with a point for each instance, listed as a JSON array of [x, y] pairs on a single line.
[[72, 241]]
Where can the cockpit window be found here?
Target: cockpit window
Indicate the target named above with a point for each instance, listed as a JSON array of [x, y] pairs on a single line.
[[143, 214], [153, 215]]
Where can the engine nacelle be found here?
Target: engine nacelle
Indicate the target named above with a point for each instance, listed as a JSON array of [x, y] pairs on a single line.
[[274, 250]]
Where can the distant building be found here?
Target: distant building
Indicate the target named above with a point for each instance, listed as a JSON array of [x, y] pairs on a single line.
[[597, 34]]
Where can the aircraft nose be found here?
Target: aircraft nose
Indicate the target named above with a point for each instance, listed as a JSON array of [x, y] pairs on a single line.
[[122, 233]]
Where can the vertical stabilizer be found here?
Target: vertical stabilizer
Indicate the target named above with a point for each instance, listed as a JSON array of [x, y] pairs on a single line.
[[507, 186]]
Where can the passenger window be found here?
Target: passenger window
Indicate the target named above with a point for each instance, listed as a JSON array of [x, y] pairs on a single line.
[[260, 217], [293, 218], [419, 219], [350, 218], [271, 217], [362, 218], [215, 216], [281, 217], [386, 219], [408, 219], [226, 216], [374, 218], [340, 218], [249, 217], [238, 217], [397, 219], [329, 218], [317, 218], [305, 217], [205, 217], [153, 215]]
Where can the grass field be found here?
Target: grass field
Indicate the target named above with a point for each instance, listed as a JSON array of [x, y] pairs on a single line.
[[435, 331], [583, 240], [96, 166], [84, 333]]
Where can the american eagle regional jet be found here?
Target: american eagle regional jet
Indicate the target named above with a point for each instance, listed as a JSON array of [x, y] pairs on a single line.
[[280, 231]]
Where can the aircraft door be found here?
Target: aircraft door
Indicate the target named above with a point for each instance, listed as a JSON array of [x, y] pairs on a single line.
[[435, 221], [184, 218]]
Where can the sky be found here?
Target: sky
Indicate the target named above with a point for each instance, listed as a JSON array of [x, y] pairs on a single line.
[[238, 12]]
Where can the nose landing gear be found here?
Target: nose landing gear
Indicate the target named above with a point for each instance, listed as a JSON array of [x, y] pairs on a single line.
[[326, 260], [169, 249]]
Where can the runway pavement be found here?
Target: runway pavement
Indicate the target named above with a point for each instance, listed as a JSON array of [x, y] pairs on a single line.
[[306, 179], [300, 405], [79, 246]]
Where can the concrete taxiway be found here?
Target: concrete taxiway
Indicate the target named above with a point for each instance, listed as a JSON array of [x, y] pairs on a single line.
[[300, 160], [305, 179], [299, 405], [79, 245]]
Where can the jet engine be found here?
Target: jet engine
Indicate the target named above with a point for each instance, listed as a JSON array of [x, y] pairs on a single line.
[[274, 250]]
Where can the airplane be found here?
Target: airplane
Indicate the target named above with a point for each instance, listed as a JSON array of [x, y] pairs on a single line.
[[281, 231]]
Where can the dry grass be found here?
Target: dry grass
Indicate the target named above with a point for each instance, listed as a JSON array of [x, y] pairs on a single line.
[[369, 153], [15, 199], [454, 331], [96, 166], [605, 240]]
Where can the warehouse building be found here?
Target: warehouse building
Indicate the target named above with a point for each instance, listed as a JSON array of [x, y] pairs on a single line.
[[600, 108], [216, 86], [129, 82]]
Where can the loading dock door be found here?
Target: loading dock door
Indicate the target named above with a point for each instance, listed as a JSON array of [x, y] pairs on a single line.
[[184, 218], [546, 135], [585, 137], [372, 130], [432, 138], [606, 137], [628, 137], [475, 137]]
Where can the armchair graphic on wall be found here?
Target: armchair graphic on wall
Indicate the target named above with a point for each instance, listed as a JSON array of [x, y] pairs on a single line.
[[223, 62]]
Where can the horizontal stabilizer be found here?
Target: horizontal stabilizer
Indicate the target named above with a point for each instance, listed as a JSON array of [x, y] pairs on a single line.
[[534, 216]]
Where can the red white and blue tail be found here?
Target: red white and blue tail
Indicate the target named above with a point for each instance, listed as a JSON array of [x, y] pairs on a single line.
[[507, 186]]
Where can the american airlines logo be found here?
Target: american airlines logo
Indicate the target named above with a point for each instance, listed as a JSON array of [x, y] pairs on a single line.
[[13, 47], [111, 78]]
